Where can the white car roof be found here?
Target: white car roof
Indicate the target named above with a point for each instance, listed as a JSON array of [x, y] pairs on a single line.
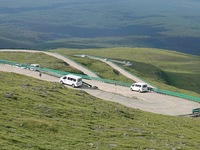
[[140, 83], [35, 65], [73, 76]]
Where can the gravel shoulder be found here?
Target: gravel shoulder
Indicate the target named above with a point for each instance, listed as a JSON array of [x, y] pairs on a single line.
[[151, 102]]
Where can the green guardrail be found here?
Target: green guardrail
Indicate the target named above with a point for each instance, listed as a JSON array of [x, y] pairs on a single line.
[[114, 62], [58, 73], [111, 81], [153, 89], [166, 92], [61, 73], [12, 63]]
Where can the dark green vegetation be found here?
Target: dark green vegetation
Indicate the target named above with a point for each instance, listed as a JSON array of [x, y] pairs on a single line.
[[49, 24], [165, 69], [44, 60], [41, 115]]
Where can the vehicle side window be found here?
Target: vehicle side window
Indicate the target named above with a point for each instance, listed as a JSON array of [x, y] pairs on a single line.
[[71, 79], [64, 77]]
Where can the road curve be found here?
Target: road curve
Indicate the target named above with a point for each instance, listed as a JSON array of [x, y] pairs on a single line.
[[69, 61], [151, 102], [122, 71], [73, 64]]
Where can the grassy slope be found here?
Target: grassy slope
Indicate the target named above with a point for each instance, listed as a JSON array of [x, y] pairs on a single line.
[[166, 69], [101, 69], [44, 60], [41, 115]]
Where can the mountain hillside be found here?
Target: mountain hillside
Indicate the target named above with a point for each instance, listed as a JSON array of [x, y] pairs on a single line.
[[41, 115]]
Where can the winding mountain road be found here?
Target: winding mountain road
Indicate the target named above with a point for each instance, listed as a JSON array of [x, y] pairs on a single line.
[[151, 102], [122, 71]]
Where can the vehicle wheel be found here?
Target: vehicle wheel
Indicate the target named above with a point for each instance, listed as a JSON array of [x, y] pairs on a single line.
[[73, 85], [131, 89], [61, 82], [139, 91]]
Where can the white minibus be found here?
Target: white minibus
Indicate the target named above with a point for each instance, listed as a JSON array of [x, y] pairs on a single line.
[[70, 79], [140, 87]]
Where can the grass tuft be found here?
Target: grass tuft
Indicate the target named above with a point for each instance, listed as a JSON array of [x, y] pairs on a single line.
[[51, 116]]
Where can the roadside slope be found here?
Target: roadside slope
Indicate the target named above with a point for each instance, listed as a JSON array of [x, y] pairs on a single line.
[[70, 62], [152, 102]]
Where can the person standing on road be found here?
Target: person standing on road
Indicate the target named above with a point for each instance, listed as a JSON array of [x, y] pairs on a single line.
[[40, 74]]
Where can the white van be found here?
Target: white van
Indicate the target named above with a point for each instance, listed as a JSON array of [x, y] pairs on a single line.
[[140, 87], [35, 67], [72, 80]]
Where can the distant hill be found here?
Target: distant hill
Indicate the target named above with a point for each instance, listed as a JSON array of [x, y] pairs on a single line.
[[52, 24]]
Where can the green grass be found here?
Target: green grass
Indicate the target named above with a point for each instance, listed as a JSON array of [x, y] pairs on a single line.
[[101, 69], [41, 115], [165, 69], [44, 60]]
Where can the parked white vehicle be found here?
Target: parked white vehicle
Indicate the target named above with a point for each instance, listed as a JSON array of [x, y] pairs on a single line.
[[73, 80], [35, 67], [140, 87]]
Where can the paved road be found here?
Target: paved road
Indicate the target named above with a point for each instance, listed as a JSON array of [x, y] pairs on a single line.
[[151, 102], [122, 71], [71, 63]]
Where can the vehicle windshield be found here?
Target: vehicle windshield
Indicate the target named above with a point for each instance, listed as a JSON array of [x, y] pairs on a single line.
[[144, 86], [80, 79]]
